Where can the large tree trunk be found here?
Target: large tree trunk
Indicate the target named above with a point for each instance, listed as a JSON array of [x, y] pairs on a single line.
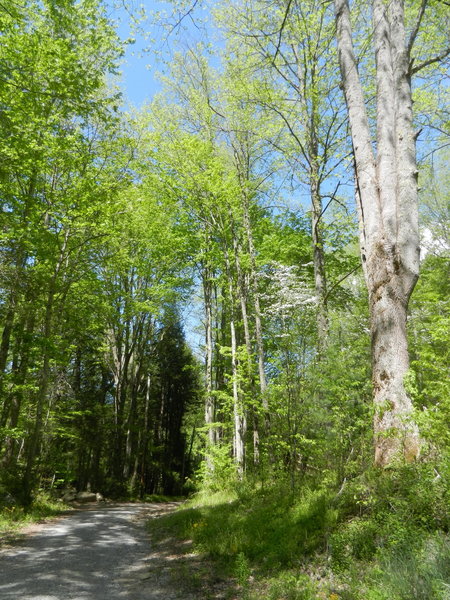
[[394, 428], [387, 196]]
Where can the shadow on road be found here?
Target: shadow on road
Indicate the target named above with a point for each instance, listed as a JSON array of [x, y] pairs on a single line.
[[89, 555]]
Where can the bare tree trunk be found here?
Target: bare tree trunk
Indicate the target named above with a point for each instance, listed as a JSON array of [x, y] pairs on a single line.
[[243, 298], [20, 258], [36, 433], [307, 88], [19, 373], [387, 194], [240, 421], [257, 308], [320, 282], [209, 400], [4, 350], [131, 441], [35, 440], [96, 476], [6, 335], [145, 440]]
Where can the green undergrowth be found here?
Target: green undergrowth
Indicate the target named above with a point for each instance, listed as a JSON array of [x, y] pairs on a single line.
[[14, 517], [156, 498], [161, 499], [381, 537]]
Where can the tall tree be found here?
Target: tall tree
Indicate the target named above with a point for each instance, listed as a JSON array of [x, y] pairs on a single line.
[[386, 192], [289, 53]]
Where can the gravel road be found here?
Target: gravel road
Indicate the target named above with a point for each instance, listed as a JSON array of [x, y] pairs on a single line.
[[98, 553]]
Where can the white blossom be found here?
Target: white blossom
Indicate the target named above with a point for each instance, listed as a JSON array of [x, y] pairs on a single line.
[[287, 293]]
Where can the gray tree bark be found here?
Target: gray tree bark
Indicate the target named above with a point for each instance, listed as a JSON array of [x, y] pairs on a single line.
[[387, 196], [209, 398], [240, 417]]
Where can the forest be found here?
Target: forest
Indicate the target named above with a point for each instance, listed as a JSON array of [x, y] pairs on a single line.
[[239, 291]]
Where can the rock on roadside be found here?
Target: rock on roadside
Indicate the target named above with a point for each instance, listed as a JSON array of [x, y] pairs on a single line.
[[82, 497]]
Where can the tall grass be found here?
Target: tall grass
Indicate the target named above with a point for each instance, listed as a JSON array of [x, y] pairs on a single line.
[[416, 573]]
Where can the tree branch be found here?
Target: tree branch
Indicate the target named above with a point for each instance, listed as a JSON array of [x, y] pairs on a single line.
[[188, 13], [429, 62], [358, 266], [332, 197], [415, 31], [283, 24]]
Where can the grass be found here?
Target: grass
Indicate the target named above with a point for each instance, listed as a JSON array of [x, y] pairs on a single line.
[[420, 573], [258, 538], [269, 527], [14, 518], [376, 541], [160, 498]]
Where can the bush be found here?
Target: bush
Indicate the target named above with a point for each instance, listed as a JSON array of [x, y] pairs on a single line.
[[219, 471]]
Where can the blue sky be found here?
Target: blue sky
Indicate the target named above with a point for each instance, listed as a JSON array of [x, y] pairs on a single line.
[[139, 83], [141, 64]]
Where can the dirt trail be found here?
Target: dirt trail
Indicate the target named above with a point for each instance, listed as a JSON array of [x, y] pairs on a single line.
[[104, 554]]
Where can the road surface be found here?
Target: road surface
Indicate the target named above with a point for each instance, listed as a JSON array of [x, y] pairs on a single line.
[[96, 553]]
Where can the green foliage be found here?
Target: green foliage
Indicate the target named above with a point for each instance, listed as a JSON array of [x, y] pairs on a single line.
[[288, 586], [355, 540], [381, 536], [112, 225], [218, 470], [389, 511], [390, 541], [242, 570], [430, 308]]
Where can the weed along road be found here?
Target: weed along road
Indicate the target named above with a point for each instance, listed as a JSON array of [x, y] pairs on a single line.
[[92, 554]]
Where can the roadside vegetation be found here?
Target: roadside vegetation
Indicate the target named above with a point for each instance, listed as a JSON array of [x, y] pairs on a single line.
[[14, 518], [378, 537]]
